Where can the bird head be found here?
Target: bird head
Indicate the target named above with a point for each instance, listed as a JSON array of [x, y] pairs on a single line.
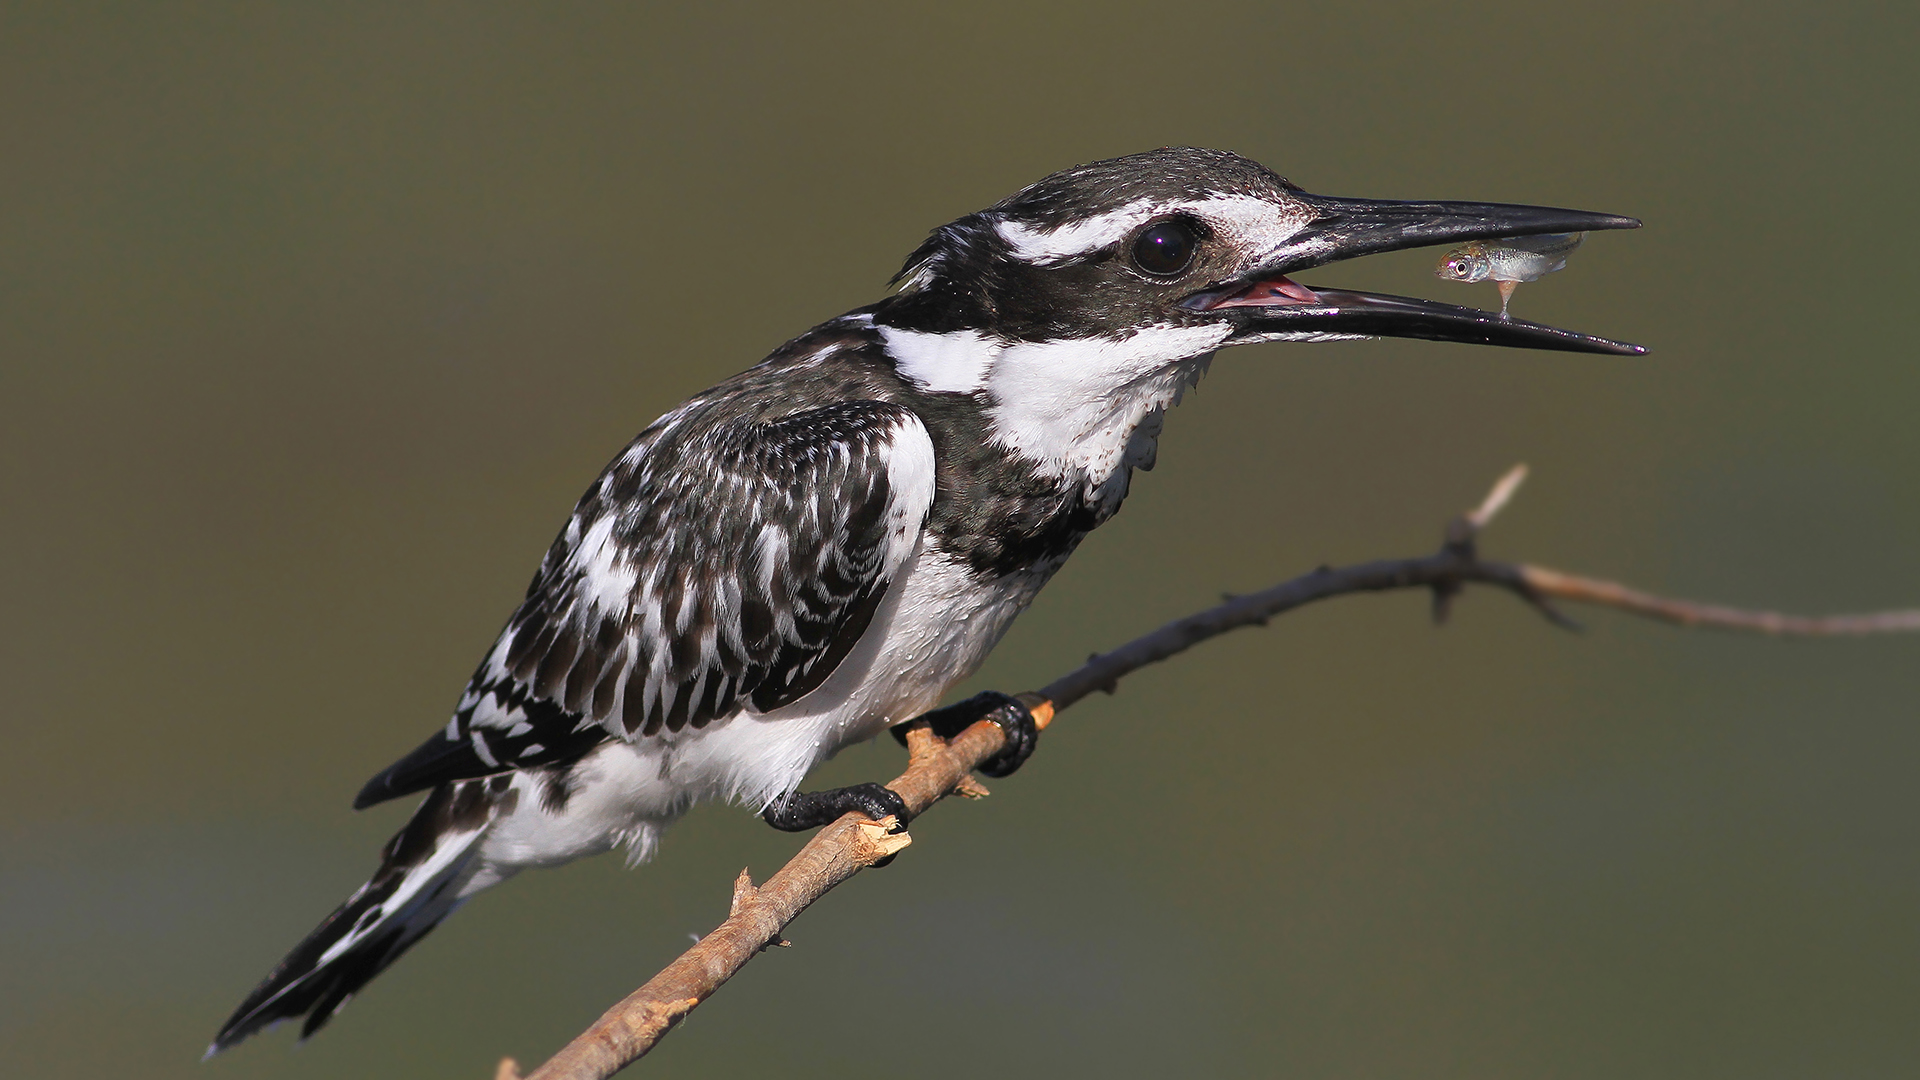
[[1195, 247]]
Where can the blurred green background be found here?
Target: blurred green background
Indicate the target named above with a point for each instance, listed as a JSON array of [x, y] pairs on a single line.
[[315, 319]]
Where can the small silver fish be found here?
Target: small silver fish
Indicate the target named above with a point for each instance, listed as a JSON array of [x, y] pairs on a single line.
[[1508, 261]]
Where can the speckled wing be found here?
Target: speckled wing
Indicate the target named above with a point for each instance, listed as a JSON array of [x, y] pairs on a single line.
[[715, 566]]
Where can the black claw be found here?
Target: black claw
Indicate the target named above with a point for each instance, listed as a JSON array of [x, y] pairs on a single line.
[[1023, 734], [798, 811]]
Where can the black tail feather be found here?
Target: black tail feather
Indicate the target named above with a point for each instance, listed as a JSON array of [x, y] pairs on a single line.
[[349, 974], [416, 886]]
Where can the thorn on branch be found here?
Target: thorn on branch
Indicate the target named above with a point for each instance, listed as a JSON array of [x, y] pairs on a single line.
[[743, 892], [1459, 540], [969, 788], [1462, 531], [1497, 498]]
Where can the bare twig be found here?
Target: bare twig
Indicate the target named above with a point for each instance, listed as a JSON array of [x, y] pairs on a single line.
[[937, 769], [1549, 582], [1497, 497]]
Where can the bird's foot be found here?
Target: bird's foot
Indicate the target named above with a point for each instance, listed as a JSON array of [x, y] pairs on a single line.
[[1013, 716], [798, 811]]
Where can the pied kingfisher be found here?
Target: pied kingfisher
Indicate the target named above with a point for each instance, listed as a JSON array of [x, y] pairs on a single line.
[[817, 548]]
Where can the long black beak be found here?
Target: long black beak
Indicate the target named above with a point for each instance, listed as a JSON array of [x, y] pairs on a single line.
[[1266, 306]]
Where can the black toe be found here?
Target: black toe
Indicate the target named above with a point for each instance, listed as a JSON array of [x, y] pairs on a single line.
[[1014, 718], [801, 810], [1023, 735]]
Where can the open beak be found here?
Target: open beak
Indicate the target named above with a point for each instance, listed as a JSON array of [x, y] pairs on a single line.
[[1265, 305]]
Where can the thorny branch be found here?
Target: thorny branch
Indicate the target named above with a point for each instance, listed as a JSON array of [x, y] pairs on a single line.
[[937, 769]]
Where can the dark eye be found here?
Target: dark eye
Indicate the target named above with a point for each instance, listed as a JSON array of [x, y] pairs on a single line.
[[1165, 249]]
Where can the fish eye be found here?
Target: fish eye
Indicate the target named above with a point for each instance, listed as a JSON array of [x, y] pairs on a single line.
[[1164, 249]]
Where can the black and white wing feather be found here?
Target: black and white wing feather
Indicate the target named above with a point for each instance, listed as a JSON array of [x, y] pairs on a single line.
[[717, 565]]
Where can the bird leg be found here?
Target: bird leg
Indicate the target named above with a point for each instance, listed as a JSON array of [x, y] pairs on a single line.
[[1012, 714], [797, 811]]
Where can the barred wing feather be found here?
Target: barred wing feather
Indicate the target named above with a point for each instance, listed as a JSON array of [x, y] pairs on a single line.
[[711, 568]]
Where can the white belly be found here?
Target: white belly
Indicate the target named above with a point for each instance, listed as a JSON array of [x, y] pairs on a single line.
[[934, 628]]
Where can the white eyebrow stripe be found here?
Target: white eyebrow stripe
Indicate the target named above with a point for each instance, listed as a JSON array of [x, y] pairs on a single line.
[[1236, 215], [1075, 238]]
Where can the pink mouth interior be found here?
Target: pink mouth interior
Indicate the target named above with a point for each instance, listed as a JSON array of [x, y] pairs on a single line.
[[1268, 293]]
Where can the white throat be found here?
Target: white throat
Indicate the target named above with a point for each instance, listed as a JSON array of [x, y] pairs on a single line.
[[1090, 408], [1082, 409]]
